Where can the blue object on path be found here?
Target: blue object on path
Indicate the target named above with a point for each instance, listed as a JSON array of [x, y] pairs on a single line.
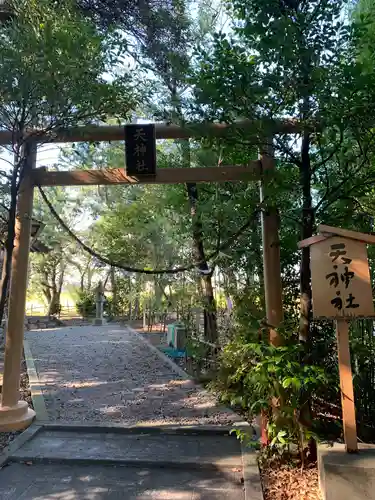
[[173, 353]]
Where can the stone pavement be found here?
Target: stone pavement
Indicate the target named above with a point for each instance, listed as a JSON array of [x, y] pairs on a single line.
[[109, 375], [145, 448], [83, 482], [58, 462], [121, 422]]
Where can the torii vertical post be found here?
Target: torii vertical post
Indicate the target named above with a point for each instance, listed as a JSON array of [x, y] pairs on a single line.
[[271, 247], [15, 414], [271, 258]]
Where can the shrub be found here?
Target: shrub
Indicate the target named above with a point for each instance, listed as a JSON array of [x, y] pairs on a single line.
[[251, 375], [86, 303]]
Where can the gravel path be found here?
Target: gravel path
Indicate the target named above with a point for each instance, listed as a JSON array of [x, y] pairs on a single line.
[[110, 375]]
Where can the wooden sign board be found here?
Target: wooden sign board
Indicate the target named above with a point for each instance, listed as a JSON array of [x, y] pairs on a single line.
[[140, 149], [340, 277]]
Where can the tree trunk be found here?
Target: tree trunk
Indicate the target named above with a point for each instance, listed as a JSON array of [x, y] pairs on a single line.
[[307, 232], [209, 304], [158, 295], [130, 300], [90, 273], [5, 277], [9, 242], [54, 290], [82, 283], [47, 291], [54, 305], [136, 290], [305, 417]]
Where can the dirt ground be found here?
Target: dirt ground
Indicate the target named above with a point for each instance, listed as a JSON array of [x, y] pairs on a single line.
[[290, 483]]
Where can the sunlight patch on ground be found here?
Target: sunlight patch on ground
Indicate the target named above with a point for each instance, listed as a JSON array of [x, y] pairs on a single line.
[[80, 385], [65, 495], [167, 495], [208, 404], [114, 411]]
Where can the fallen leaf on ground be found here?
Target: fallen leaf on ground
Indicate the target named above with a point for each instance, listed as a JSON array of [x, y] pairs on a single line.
[[289, 483]]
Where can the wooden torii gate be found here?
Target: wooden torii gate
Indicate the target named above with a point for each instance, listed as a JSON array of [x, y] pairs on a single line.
[[15, 414]]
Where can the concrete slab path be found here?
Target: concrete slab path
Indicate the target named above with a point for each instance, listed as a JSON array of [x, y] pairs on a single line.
[[88, 482], [111, 375], [60, 462], [150, 449]]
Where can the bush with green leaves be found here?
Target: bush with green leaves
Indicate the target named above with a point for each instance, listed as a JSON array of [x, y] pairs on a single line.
[[86, 303], [252, 375]]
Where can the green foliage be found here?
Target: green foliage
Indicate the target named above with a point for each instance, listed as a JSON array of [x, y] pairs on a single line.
[[48, 270], [309, 60], [310, 76], [312, 61], [52, 66], [86, 303], [56, 71], [251, 375], [124, 296]]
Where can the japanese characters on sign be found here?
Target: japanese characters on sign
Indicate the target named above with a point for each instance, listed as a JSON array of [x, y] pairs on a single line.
[[340, 279], [140, 149]]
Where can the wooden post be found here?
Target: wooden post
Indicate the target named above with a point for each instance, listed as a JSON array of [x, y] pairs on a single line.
[[15, 414], [271, 260], [271, 249], [346, 386]]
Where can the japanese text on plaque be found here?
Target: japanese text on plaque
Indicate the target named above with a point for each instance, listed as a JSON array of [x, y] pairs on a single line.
[[340, 278], [140, 149], [341, 271]]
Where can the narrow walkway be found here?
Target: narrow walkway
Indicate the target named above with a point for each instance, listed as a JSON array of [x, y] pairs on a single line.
[[92, 378], [110, 375], [96, 482]]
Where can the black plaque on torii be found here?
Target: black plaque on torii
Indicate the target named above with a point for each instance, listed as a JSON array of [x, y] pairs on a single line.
[[140, 149]]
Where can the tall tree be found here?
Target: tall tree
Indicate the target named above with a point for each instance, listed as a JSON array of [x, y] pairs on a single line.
[[169, 57], [49, 268], [283, 60], [164, 49], [52, 66]]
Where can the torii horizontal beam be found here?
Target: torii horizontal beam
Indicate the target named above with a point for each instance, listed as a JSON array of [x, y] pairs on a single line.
[[251, 172], [98, 133], [15, 414]]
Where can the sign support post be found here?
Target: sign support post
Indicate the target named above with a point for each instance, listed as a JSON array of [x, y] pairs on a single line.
[[346, 386], [341, 290]]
